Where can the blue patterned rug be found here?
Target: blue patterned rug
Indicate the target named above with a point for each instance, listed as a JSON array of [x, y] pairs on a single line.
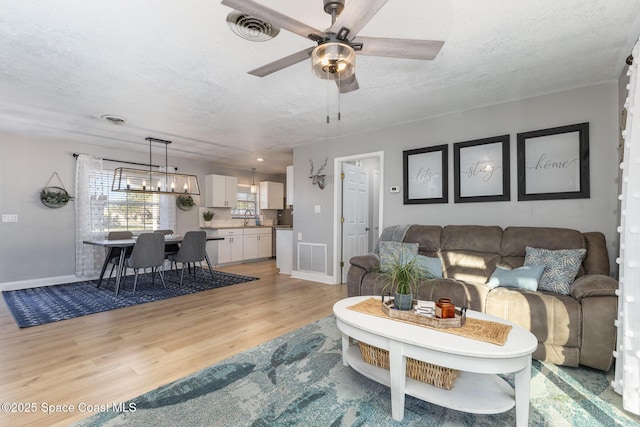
[[46, 304], [299, 380]]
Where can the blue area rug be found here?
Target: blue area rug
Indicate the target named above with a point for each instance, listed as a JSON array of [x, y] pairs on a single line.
[[299, 380], [46, 304]]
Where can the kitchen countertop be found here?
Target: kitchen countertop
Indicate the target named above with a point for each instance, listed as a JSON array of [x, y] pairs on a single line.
[[226, 227]]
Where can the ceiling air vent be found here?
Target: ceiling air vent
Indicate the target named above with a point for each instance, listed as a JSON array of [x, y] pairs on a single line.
[[251, 28]]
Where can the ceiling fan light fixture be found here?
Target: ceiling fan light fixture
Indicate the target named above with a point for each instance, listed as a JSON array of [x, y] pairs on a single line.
[[333, 61]]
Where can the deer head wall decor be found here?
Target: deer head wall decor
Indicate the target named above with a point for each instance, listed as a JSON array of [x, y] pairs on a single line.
[[318, 178]]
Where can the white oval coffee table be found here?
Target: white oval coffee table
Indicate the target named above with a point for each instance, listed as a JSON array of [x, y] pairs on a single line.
[[477, 389]]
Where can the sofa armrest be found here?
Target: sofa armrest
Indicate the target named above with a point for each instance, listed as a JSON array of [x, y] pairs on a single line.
[[368, 262], [596, 294], [593, 285]]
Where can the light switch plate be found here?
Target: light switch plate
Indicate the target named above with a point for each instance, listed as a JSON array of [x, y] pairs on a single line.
[[317, 209], [299, 236], [9, 217], [394, 189]]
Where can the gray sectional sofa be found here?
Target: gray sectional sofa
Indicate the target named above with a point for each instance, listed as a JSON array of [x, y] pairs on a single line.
[[577, 328]]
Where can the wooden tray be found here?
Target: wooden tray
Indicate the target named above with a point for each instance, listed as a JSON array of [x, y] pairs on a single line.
[[411, 316]]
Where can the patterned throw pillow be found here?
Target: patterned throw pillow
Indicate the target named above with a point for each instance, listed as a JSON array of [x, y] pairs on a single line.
[[561, 267], [392, 253], [525, 277]]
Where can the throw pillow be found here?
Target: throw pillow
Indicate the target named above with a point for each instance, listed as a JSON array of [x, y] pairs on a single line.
[[392, 253], [561, 267], [431, 267], [525, 277]]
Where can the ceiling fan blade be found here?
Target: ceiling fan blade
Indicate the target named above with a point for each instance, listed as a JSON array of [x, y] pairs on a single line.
[[273, 17], [282, 63], [356, 14], [348, 85], [399, 48]]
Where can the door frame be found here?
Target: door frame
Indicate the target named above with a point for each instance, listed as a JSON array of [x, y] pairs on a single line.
[[337, 206]]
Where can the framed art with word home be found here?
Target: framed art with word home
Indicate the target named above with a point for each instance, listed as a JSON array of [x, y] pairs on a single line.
[[554, 163], [425, 175]]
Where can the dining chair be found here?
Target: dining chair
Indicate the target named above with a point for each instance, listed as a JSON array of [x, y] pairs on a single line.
[[192, 249], [148, 252], [114, 253], [171, 248]]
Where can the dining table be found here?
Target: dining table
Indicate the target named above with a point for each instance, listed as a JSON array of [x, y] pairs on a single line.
[[110, 245]]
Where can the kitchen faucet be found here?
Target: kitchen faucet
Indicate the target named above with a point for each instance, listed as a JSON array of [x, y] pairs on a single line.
[[247, 213]]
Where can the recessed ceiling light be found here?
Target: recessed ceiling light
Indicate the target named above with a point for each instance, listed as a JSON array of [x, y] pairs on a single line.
[[114, 120], [260, 159]]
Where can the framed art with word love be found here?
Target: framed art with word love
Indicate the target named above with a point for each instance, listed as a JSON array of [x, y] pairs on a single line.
[[554, 163], [481, 170], [425, 175]]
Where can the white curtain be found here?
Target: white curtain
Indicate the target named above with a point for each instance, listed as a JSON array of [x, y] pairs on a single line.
[[89, 258], [627, 375]]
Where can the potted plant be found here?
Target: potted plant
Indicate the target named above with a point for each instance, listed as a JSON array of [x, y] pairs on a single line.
[[404, 273], [54, 197], [185, 203], [207, 216]]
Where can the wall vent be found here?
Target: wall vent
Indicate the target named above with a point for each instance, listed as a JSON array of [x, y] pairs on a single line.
[[312, 257]]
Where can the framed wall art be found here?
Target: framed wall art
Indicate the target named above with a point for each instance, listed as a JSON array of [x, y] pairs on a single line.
[[554, 163], [425, 175], [481, 170]]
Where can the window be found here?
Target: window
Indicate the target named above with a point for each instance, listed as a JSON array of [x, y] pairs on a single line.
[[247, 201], [116, 210]]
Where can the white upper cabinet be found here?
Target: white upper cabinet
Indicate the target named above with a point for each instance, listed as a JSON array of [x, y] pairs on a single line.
[[221, 191], [271, 195], [290, 185]]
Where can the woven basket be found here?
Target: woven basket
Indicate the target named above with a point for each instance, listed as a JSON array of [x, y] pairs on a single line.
[[435, 375]]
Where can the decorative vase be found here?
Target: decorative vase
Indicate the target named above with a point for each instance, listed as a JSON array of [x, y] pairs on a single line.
[[403, 301], [207, 223]]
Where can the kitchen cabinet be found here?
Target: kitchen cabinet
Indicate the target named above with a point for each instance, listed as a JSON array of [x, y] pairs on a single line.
[[257, 243], [271, 195], [240, 244], [221, 191], [290, 185], [231, 248]]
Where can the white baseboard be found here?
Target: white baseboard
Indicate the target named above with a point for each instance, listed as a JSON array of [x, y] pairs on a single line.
[[44, 281], [314, 277]]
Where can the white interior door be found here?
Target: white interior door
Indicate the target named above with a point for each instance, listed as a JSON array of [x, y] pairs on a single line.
[[355, 211]]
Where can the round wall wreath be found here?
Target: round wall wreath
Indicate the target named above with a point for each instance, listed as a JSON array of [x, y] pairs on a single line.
[[185, 203], [54, 197]]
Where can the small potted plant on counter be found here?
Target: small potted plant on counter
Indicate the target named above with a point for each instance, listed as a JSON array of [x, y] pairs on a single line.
[[207, 216]]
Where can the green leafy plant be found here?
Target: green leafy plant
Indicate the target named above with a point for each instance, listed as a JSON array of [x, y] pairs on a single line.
[[404, 275], [207, 215]]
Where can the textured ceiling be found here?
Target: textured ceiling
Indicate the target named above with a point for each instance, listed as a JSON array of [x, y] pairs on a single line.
[[176, 71]]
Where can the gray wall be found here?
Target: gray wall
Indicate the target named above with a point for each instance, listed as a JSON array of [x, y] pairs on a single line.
[[597, 105], [42, 243]]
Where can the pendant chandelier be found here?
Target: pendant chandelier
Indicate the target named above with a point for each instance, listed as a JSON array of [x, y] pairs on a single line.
[[150, 181], [253, 189]]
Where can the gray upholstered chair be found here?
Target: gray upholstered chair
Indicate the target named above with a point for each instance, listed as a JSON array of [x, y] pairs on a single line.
[[148, 252], [114, 253], [171, 248], [192, 250]]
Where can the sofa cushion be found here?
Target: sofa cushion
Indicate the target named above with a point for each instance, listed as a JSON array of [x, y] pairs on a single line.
[[554, 319], [561, 267], [396, 252], [525, 277], [431, 267]]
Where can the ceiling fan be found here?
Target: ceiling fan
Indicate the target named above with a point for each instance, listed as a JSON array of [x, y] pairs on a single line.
[[334, 56]]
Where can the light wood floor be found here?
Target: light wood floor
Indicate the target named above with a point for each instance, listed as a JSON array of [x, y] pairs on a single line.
[[116, 355]]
